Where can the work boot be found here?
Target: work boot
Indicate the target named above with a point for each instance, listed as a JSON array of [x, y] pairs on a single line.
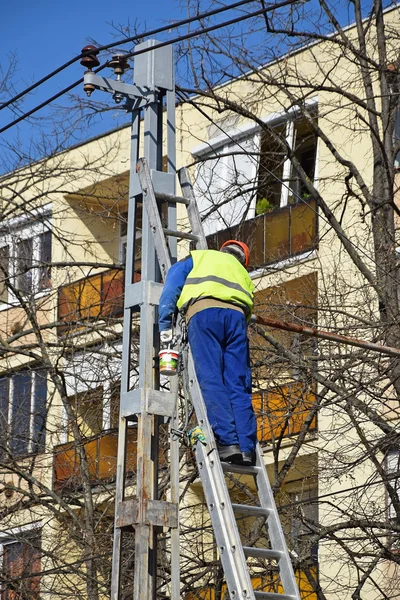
[[248, 459], [230, 454]]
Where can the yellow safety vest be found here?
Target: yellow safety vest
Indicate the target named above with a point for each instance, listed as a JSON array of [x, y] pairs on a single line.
[[217, 275]]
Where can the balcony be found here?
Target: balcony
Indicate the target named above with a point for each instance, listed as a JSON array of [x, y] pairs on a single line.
[[282, 411], [275, 235], [99, 296], [262, 584], [101, 454]]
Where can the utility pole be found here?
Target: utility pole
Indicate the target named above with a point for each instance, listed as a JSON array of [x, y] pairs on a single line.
[[151, 101]]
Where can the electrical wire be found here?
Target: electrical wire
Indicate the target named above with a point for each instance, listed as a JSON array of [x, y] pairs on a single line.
[[155, 47], [284, 184], [134, 38]]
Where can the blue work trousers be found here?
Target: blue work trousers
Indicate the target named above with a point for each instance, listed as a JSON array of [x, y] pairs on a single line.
[[220, 349]]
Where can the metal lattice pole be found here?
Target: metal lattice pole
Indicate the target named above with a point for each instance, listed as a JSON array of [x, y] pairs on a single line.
[[141, 402]]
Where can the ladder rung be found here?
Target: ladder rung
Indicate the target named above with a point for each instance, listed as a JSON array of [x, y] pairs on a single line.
[[272, 596], [229, 468], [262, 553], [181, 235], [172, 198], [253, 511]]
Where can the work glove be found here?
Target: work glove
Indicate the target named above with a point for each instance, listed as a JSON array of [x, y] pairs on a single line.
[[166, 337]]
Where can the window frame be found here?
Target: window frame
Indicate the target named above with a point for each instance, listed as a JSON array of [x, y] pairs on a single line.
[[218, 148], [395, 481], [78, 377], [16, 535], [12, 234], [35, 444]]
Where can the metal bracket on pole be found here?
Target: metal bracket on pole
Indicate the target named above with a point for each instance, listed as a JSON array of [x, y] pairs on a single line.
[[141, 96]]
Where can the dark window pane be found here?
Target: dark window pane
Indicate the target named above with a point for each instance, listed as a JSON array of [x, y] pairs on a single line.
[[21, 568], [270, 171], [4, 390], [24, 265], [20, 418], [39, 414], [4, 266], [124, 224], [45, 257]]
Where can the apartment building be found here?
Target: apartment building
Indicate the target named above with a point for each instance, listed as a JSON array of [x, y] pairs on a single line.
[[293, 173]]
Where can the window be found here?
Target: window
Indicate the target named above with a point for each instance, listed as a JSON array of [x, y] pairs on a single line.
[[295, 301], [21, 567], [225, 184], [279, 183], [250, 190], [95, 410], [25, 260], [23, 413], [393, 471]]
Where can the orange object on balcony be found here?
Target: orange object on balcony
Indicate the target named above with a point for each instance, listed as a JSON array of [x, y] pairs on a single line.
[[95, 297], [283, 410], [261, 584], [275, 235], [101, 455]]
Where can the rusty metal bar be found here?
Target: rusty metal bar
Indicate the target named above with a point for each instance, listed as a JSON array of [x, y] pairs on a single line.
[[327, 335]]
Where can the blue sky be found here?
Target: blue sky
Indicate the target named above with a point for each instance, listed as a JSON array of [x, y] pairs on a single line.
[[45, 34]]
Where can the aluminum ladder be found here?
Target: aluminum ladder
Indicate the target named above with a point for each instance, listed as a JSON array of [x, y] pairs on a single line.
[[211, 470]]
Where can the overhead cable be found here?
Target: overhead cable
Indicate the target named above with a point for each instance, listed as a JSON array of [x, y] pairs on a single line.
[[182, 38], [134, 38]]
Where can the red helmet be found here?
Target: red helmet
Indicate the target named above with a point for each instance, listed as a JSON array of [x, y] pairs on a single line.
[[241, 245]]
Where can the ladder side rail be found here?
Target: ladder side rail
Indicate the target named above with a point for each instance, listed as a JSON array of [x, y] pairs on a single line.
[[274, 527], [125, 372], [192, 209], [224, 524], [217, 497], [198, 403]]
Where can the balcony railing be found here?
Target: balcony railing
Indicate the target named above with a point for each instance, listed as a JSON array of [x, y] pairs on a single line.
[[101, 455], [96, 297], [283, 410], [275, 235], [263, 584]]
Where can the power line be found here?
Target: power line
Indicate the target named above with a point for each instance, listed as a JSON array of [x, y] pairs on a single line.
[[124, 41], [155, 47]]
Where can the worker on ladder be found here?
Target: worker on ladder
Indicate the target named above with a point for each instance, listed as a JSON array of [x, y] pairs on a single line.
[[214, 292]]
